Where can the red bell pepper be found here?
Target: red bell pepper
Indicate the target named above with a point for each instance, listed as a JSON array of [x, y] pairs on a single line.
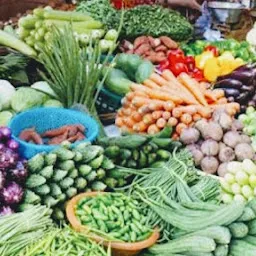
[[176, 56], [198, 74], [190, 62], [164, 65], [212, 49], [178, 68]]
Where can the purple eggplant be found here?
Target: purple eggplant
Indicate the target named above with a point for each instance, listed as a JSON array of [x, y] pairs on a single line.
[[230, 92], [247, 88], [242, 98], [229, 83], [244, 76]]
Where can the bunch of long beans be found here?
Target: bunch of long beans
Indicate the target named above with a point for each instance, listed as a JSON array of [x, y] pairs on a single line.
[[64, 242], [20, 229]]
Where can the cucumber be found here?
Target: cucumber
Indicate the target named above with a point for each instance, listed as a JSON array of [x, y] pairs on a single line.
[[118, 173], [125, 154], [240, 247], [250, 239], [238, 229], [158, 164], [199, 254], [131, 164], [112, 151], [128, 142], [164, 143], [152, 158], [252, 205], [165, 133], [185, 244], [252, 227], [221, 250], [144, 71], [247, 215], [135, 155], [142, 160], [163, 154]]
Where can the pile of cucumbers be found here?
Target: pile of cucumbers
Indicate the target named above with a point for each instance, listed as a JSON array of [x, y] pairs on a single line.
[[140, 151]]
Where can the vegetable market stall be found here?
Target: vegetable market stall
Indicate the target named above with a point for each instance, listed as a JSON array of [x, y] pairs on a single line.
[[179, 180]]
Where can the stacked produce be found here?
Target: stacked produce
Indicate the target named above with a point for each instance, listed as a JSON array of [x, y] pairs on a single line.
[[213, 230], [238, 49], [63, 173], [166, 100], [239, 86], [216, 142], [248, 119], [114, 216], [13, 173], [129, 68], [139, 151], [61, 242], [153, 49], [14, 101], [239, 182], [35, 29], [22, 229], [139, 21]]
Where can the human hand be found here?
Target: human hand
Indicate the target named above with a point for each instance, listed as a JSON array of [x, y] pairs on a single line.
[[193, 4]]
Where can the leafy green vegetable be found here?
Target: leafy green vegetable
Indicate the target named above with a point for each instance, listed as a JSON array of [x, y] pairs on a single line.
[[26, 98], [6, 93]]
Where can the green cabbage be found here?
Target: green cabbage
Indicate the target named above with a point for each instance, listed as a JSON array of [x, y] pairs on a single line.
[[26, 98]]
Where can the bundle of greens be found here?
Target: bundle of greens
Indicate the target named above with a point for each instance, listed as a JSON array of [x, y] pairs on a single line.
[[178, 181], [64, 242], [12, 66], [150, 20], [21, 229]]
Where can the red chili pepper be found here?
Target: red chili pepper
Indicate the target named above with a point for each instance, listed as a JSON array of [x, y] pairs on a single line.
[[198, 74], [176, 56], [190, 62], [178, 68], [212, 49], [164, 65]]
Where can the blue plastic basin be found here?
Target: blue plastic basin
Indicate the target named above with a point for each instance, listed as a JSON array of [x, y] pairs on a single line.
[[44, 119]]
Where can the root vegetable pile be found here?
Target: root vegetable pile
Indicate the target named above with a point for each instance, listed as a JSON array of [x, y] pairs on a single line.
[[153, 49], [166, 100], [216, 142], [70, 133]]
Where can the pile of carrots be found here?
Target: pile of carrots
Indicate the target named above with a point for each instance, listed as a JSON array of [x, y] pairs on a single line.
[[166, 100]]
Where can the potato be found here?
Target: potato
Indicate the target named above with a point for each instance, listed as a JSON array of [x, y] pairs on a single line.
[[213, 131], [209, 164], [232, 138], [226, 154], [189, 136], [210, 147]]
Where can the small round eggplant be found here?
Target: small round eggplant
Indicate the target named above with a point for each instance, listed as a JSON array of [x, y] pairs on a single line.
[[229, 83], [230, 92]]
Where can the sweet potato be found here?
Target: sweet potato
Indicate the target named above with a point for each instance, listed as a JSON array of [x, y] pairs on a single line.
[[139, 41], [168, 42], [143, 48], [31, 135], [161, 48], [154, 42], [58, 139]]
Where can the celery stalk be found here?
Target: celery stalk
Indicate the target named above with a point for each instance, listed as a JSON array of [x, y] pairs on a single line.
[[68, 16], [28, 22], [75, 25], [14, 43], [39, 12]]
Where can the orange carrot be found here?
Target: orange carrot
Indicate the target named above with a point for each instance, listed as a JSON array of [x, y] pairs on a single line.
[[140, 127], [176, 112], [129, 122], [166, 115], [136, 116], [127, 129], [140, 94], [180, 127], [169, 106], [138, 87], [129, 96], [193, 87], [119, 122], [158, 79], [160, 95], [202, 87], [153, 129], [156, 105], [186, 118], [161, 123], [139, 101], [204, 111], [196, 117], [127, 111], [151, 84], [172, 121], [218, 93], [209, 95], [143, 110], [192, 109], [157, 114], [148, 119]]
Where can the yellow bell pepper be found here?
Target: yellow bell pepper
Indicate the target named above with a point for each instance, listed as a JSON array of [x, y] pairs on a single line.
[[212, 69], [238, 62], [202, 58]]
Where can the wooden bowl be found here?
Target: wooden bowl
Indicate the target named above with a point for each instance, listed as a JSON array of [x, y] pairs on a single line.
[[118, 248]]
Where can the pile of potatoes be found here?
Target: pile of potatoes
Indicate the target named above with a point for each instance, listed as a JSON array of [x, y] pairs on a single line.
[[216, 142]]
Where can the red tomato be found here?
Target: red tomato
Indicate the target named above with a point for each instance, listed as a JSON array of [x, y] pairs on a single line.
[[198, 74], [164, 65], [178, 68], [176, 56], [190, 62], [212, 49]]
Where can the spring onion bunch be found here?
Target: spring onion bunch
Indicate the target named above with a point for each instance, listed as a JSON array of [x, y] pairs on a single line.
[[20, 229]]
